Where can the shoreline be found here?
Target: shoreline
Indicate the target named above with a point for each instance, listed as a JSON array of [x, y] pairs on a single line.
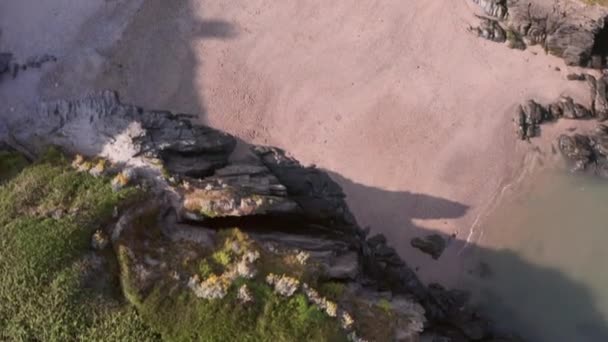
[[395, 118]]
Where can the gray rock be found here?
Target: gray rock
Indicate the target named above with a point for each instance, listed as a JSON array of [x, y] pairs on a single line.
[[377, 239], [576, 149], [239, 190], [599, 96], [566, 29], [5, 59], [528, 118], [100, 122], [432, 244], [494, 8], [344, 267], [320, 198], [491, 30]]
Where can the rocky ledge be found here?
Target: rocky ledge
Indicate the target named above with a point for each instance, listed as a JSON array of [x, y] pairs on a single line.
[[576, 32], [584, 151], [294, 232]]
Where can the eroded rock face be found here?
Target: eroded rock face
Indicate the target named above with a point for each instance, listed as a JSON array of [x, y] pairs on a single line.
[[491, 30], [100, 124], [194, 178], [494, 8], [566, 29], [587, 151], [238, 190]]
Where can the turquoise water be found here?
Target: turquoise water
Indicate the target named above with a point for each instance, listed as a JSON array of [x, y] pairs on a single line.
[[541, 267]]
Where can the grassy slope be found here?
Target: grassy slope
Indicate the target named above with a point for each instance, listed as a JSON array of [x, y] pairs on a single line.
[[48, 213], [180, 316]]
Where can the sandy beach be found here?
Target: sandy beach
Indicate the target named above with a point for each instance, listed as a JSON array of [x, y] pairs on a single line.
[[407, 110]]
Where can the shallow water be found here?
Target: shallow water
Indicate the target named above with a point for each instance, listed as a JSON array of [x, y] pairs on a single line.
[[541, 266]]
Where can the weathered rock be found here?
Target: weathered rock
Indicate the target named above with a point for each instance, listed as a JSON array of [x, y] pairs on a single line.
[[283, 285], [5, 59], [344, 267], [587, 150], [599, 96], [238, 190], [320, 198], [491, 30], [494, 8], [528, 119], [577, 149], [101, 124], [566, 29], [567, 108], [244, 295], [432, 244], [515, 40]]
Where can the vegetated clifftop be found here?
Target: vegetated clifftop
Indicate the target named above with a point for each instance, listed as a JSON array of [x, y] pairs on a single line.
[[206, 237]]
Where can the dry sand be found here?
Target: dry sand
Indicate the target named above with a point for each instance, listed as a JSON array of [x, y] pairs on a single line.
[[407, 110]]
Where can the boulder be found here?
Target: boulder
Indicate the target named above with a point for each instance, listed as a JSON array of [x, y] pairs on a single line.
[[321, 199], [528, 118], [491, 30], [577, 149], [432, 244], [599, 96], [344, 267], [5, 60], [493, 8]]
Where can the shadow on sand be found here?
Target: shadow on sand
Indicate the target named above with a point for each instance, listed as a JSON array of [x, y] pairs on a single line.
[[539, 303]]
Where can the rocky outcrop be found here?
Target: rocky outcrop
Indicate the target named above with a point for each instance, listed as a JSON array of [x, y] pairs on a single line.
[[583, 151], [8, 65], [490, 29], [493, 8], [587, 152], [531, 115], [295, 216], [432, 244], [566, 29], [599, 96]]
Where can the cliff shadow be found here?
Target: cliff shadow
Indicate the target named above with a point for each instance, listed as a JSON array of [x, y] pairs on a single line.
[[158, 61], [540, 303]]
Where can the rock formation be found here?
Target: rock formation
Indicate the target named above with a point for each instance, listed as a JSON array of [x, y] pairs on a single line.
[[432, 245], [587, 151], [583, 151], [8, 65], [565, 29], [288, 211]]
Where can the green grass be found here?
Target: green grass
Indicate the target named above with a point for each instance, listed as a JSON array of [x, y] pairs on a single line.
[[332, 289], [178, 315], [10, 164], [53, 287], [48, 213]]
